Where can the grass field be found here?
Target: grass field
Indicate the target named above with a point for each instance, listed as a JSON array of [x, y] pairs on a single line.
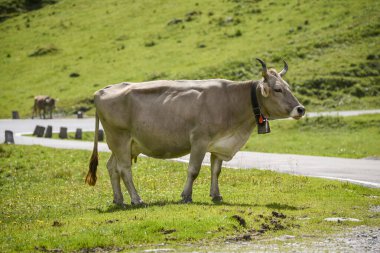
[[45, 205], [69, 50]]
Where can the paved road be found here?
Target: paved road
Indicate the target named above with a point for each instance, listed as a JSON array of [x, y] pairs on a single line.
[[361, 171]]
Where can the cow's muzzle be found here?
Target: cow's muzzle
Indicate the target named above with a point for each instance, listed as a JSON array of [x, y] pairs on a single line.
[[298, 112]]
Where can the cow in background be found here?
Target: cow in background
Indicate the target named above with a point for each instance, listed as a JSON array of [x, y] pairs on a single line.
[[42, 106]]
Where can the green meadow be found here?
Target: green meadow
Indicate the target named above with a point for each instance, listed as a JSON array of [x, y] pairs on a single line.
[[45, 205], [70, 49]]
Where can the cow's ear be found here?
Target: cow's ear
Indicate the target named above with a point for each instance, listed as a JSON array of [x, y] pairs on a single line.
[[264, 87]]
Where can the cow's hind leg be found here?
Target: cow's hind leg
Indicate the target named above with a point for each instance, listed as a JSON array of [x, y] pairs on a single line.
[[216, 168], [115, 181], [196, 158], [123, 155]]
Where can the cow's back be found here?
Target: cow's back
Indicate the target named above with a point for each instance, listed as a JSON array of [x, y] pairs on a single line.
[[125, 103]]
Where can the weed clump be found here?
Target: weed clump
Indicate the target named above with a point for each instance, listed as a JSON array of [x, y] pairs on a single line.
[[175, 21], [150, 44], [156, 76], [236, 34], [42, 51], [12, 8]]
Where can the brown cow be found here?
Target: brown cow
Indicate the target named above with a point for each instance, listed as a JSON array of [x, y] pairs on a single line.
[[167, 119], [43, 104]]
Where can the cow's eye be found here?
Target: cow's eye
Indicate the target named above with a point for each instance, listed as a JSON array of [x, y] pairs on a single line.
[[277, 90]]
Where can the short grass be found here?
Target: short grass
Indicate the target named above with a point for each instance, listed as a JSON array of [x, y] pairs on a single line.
[[45, 205], [69, 50]]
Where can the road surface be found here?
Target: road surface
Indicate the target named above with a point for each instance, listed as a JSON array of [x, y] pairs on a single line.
[[361, 171]]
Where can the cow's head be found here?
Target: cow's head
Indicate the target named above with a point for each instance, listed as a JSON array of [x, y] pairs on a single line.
[[50, 102], [277, 100]]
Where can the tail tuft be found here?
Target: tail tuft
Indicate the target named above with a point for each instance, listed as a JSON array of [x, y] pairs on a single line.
[[91, 175]]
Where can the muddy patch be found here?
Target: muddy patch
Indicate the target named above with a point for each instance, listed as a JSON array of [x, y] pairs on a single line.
[[260, 224], [239, 219]]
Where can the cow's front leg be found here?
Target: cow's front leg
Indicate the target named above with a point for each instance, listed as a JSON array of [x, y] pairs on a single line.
[[216, 168], [196, 158], [115, 181]]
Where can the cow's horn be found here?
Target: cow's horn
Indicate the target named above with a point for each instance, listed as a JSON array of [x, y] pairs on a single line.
[[283, 72], [264, 68]]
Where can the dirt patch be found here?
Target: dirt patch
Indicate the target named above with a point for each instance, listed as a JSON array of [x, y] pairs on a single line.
[[100, 250], [167, 231], [241, 221], [44, 249], [278, 215], [272, 222], [358, 239]]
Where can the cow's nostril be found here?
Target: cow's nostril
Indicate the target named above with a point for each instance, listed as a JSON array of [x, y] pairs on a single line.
[[301, 110]]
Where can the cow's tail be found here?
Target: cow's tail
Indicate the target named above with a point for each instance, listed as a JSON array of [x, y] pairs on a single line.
[[91, 175]]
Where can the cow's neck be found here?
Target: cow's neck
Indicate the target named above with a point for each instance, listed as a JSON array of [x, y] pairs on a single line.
[[243, 105], [258, 111]]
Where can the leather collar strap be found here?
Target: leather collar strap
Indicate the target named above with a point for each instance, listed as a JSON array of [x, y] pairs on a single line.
[[261, 121]]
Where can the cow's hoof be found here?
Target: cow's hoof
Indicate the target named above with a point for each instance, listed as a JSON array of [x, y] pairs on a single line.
[[119, 204], [217, 199], [186, 199], [138, 203]]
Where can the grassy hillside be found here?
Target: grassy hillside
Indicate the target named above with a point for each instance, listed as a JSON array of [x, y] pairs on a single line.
[[72, 48]]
